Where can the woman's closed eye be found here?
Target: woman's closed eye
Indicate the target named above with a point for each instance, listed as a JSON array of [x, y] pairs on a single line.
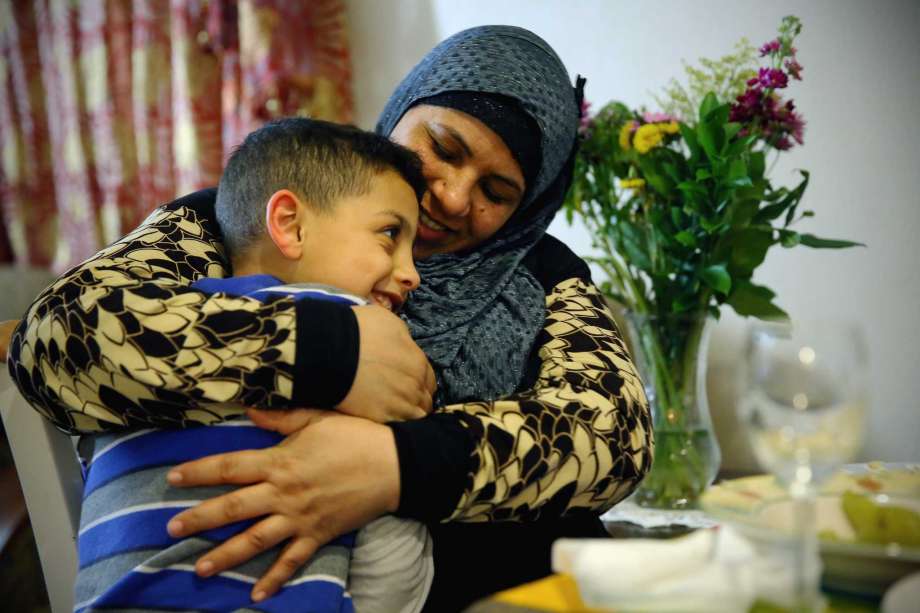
[[498, 192], [442, 150], [489, 192]]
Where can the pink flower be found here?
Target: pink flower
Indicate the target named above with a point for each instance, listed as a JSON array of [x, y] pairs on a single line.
[[584, 118], [658, 118], [771, 47]]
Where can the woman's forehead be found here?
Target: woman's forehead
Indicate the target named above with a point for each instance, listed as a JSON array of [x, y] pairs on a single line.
[[466, 132]]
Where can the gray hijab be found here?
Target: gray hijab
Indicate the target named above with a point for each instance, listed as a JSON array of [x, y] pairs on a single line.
[[477, 314]]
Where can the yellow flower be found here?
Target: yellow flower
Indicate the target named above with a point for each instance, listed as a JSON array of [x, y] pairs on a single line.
[[647, 137], [632, 183], [670, 127], [626, 134]]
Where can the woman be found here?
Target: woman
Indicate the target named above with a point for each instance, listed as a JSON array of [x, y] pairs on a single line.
[[542, 420]]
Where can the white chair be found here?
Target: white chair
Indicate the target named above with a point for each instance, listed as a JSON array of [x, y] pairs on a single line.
[[53, 487]]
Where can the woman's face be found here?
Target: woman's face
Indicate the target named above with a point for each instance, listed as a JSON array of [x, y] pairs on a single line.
[[474, 183]]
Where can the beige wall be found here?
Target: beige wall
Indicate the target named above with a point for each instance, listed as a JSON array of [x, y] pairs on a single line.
[[860, 98]]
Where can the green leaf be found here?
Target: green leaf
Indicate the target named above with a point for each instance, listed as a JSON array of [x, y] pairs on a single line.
[[711, 225], [796, 195], [731, 129], [677, 216], [717, 278], [743, 212], [709, 103], [789, 239], [684, 303], [651, 172], [685, 238], [748, 250], [719, 116], [737, 169], [810, 240], [770, 212], [634, 245], [710, 137], [738, 174], [753, 300], [689, 136], [692, 188], [756, 165]]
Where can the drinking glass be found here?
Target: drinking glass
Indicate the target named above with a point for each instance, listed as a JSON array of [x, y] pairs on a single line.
[[803, 405]]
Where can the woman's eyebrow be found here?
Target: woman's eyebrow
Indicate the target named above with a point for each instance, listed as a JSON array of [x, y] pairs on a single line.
[[457, 137]]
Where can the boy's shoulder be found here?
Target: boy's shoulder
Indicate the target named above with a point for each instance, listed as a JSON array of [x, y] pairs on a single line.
[[267, 287]]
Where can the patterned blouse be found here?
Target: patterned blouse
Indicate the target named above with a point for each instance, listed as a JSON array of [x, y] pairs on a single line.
[[123, 341]]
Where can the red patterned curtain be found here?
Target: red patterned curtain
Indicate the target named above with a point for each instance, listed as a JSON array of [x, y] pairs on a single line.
[[109, 108]]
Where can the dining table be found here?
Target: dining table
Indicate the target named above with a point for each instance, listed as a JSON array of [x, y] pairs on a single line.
[[559, 592]]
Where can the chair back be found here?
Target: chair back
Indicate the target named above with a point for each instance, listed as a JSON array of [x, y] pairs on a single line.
[[52, 484]]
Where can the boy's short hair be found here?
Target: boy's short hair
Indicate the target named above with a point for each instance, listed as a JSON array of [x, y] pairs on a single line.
[[319, 161]]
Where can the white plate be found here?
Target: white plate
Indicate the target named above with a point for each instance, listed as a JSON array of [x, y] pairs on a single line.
[[762, 510]]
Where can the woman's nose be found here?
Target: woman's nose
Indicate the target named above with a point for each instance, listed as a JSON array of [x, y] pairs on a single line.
[[453, 193]]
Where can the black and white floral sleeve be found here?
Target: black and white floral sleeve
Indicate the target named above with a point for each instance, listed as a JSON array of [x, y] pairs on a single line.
[[580, 439], [122, 340]]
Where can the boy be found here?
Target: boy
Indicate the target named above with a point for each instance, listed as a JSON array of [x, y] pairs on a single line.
[[309, 210]]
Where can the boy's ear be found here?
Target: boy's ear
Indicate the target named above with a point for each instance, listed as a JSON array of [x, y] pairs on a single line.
[[285, 215]]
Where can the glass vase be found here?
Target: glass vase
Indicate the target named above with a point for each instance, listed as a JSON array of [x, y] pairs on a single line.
[[670, 353]]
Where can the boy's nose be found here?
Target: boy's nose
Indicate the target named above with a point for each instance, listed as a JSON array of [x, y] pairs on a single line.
[[407, 277]]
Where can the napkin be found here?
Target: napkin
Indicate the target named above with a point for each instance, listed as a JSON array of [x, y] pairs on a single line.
[[713, 570]]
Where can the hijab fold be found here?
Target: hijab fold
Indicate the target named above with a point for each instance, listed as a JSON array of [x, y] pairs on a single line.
[[477, 313]]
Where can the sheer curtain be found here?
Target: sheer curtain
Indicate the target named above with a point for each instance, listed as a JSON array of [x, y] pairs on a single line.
[[110, 108]]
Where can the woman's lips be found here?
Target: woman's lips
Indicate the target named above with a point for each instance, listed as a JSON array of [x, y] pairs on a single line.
[[430, 230]]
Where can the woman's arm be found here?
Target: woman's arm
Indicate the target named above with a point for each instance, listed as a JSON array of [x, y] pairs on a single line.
[[581, 438], [123, 341]]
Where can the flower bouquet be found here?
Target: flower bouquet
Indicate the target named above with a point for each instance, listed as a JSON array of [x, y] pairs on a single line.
[[681, 209]]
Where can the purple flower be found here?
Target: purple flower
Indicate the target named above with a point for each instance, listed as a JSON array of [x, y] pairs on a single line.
[[794, 68], [771, 47], [772, 78], [783, 143], [792, 122], [747, 105]]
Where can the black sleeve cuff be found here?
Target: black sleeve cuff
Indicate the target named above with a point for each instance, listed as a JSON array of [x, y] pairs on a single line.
[[327, 353], [435, 458]]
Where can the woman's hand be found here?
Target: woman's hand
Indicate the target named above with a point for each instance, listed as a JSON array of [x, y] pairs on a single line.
[[394, 380], [333, 474]]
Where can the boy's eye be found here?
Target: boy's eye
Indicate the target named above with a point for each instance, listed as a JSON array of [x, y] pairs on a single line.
[[392, 232]]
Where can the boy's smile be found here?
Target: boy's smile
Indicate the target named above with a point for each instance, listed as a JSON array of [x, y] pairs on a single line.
[[364, 244]]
